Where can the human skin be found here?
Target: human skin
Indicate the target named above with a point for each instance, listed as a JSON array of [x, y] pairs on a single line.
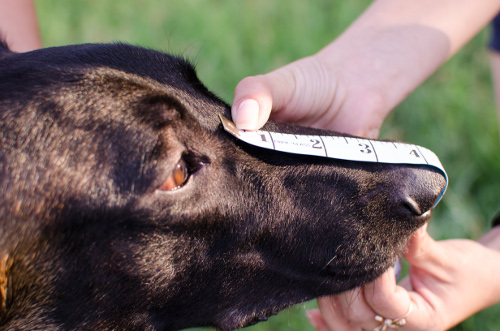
[[495, 70], [19, 25], [350, 86], [381, 58], [448, 281]]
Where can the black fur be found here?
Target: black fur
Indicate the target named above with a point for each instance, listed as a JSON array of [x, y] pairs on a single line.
[[89, 133]]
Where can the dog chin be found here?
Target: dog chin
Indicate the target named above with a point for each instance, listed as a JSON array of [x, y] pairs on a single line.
[[237, 319]]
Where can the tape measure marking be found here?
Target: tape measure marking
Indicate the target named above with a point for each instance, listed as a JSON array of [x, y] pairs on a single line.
[[340, 147]]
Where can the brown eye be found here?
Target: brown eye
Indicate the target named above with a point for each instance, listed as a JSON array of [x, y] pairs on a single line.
[[177, 178]]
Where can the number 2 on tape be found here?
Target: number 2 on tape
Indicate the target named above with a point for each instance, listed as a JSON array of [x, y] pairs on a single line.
[[339, 147]]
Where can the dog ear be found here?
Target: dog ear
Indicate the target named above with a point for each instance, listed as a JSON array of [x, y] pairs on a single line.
[[4, 48]]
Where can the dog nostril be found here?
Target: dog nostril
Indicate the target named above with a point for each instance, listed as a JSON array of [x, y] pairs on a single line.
[[410, 204], [416, 197]]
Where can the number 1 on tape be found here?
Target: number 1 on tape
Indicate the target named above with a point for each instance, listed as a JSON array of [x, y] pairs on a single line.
[[338, 147]]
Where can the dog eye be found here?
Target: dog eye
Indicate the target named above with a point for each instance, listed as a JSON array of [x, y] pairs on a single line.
[[177, 178]]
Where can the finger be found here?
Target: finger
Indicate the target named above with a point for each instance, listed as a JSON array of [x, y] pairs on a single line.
[[405, 283], [316, 320], [255, 96], [301, 92], [355, 309], [386, 298], [425, 254], [333, 315]]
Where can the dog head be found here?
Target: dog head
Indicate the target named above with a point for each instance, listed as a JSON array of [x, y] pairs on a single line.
[[125, 205]]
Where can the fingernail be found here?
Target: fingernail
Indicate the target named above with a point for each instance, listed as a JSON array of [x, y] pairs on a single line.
[[246, 115]]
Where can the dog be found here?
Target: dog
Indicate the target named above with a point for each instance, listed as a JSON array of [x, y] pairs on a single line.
[[125, 205]]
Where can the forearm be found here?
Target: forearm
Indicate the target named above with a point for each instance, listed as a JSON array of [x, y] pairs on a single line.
[[18, 25], [395, 45]]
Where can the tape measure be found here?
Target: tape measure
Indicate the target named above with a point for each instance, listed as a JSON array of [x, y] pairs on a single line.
[[340, 147]]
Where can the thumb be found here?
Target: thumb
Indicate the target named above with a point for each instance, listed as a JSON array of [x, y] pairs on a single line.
[[301, 92], [255, 96], [418, 248]]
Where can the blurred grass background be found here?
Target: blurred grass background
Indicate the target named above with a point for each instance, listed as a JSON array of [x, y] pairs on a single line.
[[453, 113]]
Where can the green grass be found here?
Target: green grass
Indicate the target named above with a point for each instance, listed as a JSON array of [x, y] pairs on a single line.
[[452, 113]]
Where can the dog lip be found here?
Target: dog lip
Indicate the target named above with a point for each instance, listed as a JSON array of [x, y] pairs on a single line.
[[422, 218], [426, 214]]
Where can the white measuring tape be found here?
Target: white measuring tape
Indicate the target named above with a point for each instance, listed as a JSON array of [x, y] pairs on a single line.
[[339, 147]]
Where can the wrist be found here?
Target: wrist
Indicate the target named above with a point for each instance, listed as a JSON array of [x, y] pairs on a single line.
[[491, 258], [387, 61]]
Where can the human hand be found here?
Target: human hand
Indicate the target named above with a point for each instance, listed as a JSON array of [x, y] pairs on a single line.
[[19, 25], [448, 281], [352, 83], [349, 86], [309, 92]]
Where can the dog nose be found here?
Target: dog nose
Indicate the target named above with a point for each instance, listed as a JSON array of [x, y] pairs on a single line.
[[420, 193], [410, 205]]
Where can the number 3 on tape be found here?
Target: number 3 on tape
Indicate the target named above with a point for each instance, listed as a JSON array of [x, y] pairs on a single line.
[[338, 147]]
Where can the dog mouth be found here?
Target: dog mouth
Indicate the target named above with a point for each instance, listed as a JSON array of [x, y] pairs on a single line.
[[423, 218], [361, 279]]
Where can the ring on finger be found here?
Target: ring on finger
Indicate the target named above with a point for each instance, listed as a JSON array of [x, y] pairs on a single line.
[[395, 323]]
